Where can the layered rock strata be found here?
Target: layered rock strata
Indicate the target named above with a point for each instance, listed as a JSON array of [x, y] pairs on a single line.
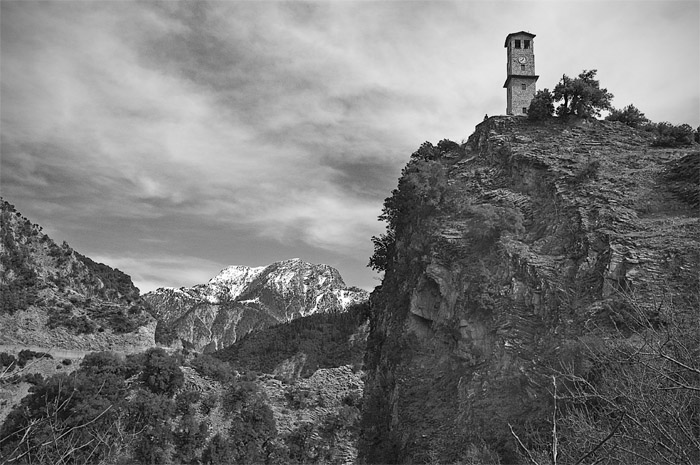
[[504, 252]]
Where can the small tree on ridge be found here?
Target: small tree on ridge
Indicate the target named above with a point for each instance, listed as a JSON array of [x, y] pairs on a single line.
[[630, 115], [582, 96]]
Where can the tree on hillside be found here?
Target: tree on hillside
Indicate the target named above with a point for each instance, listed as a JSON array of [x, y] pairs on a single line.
[[669, 135], [582, 96], [541, 106], [161, 373], [630, 115]]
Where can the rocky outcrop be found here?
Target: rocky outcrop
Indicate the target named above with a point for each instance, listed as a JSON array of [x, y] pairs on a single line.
[[322, 409], [241, 299], [501, 255], [53, 297]]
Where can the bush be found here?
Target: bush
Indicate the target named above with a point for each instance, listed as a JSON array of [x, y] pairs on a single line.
[[541, 106], [188, 437], [251, 434], [79, 324], [26, 355], [212, 367], [185, 400], [209, 402], [7, 361], [448, 146], [121, 323], [237, 396], [384, 246], [426, 151], [668, 135], [629, 115], [165, 334], [219, 450], [150, 413], [161, 372], [99, 363]]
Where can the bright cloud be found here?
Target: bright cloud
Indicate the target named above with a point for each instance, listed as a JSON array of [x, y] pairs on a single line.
[[246, 132]]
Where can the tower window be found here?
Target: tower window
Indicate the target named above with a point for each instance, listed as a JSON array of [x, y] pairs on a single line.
[[522, 67], [517, 44], [523, 86], [526, 43], [524, 111]]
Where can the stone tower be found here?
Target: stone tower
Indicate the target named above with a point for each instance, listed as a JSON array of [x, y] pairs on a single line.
[[520, 83]]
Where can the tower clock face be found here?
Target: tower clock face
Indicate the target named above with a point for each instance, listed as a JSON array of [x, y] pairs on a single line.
[[522, 60]]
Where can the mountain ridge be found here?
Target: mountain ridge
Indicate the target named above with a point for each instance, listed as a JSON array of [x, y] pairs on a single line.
[[240, 299], [53, 296]]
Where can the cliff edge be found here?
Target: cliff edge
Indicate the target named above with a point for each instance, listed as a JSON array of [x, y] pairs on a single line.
[[506, 259]]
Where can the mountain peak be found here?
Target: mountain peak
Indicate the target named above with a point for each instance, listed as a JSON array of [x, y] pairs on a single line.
[[235, 278], [241, 299]]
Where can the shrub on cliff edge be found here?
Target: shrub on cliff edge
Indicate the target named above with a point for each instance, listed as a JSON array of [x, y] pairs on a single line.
[[542, 106]]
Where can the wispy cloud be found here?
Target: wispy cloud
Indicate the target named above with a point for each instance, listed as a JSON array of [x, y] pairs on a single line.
[[275, 129], [148, 273]]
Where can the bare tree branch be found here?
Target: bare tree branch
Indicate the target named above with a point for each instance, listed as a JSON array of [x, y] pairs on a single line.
[[520, 443]]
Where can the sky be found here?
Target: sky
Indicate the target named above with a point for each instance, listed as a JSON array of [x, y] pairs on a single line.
[[172, 139]]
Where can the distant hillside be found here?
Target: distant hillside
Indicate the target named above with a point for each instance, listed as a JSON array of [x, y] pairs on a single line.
[[154, 407], [242, 299], [304, 345], [52, 296]]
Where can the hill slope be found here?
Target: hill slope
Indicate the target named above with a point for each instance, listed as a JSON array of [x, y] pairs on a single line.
[[52, 296], [303, 345], [532, 254]]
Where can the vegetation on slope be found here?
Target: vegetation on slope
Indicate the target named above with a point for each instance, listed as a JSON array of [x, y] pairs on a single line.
[[76, 292], [582, 97], [19, 285], [323, 338], [150, 408], [92, 414]]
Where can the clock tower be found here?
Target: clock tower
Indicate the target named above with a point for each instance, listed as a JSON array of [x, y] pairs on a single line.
[[520, 83]]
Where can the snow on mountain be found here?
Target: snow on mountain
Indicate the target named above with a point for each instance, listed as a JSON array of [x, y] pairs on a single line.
[[235, 278], [241, 299]]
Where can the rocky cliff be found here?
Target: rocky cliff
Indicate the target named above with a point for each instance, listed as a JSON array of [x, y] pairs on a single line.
[[505, 258], [53, 297], [241, 299]]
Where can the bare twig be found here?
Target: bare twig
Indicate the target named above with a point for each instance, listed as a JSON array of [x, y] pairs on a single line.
[[555, 444], [520, 443], [600, 444]]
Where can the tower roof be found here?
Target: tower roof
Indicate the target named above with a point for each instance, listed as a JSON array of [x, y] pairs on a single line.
[[514, 33]]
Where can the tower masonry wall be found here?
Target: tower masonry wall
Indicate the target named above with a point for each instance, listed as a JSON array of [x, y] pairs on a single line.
[[521, 82], [514, 54], [520, 98]]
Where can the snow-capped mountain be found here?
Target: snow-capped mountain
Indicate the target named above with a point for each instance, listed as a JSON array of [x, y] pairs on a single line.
[[241, 299]]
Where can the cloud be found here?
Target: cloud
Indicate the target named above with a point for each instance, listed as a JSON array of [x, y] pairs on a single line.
[[280, 127], [149, 273]]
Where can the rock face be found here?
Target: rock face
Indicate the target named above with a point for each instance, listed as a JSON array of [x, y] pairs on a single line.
[[501, 254], [241, 299], [322, 407], [53, 297]]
